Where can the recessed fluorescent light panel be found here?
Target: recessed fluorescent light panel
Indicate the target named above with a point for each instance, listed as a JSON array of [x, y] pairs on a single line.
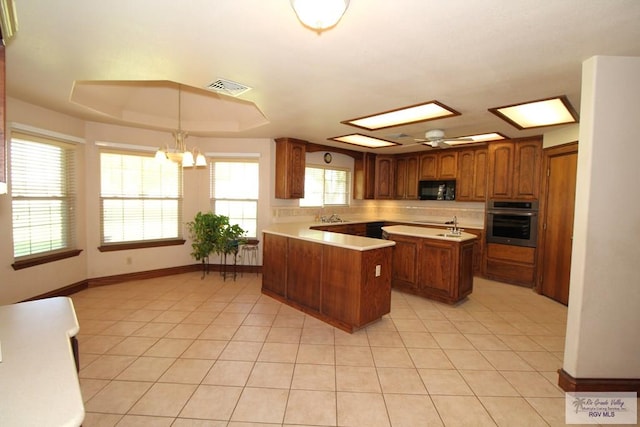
[[472, 139], [364, 141], [540, 113], [413, 114]]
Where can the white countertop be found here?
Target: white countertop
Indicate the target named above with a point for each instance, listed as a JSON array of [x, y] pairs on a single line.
[[38, 378], [428, 233], [303, 232]]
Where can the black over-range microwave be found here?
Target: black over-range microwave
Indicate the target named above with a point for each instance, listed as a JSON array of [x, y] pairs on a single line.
[[437, 190]]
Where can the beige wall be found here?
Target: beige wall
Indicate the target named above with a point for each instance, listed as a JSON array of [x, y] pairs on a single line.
[[602, 339], [26, 283], [562, 135]]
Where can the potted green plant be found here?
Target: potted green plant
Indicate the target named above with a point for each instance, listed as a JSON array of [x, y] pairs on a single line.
[[211, 233]]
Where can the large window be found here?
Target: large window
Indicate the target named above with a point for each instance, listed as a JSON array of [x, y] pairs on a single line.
[[234, 192], [325, 187], [43, 196], [140, 198]]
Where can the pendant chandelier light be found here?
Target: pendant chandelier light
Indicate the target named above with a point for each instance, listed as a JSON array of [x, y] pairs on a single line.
[[319, 15], [181, 154]]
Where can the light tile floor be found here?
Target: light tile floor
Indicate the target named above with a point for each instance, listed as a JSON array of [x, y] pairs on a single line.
[[181, 351]]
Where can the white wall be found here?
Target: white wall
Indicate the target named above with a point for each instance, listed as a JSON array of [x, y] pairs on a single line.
[[602, 339]]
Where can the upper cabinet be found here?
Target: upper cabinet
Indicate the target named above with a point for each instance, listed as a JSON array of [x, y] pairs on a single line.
[[364, 173], [385, 172], [290, 165], [514, 169], [439, 165], [471, 185], [406, 177]]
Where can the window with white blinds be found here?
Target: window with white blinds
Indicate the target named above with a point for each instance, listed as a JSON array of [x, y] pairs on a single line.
[[140, 198], [325, 187], [234, 192], [42, 195]]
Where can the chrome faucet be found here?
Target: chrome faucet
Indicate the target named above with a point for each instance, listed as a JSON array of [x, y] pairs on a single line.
[[455, 230], [334, 218]]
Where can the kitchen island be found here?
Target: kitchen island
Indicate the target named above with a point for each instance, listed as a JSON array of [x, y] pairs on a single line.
[[340, 279], [432, 262]]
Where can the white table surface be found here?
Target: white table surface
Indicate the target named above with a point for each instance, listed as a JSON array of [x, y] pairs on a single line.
[[38, 378]]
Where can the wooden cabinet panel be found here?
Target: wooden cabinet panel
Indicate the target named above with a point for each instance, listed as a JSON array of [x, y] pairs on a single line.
[[406, 177], [436, 269], [355, 296], [274, 263], [405, 256], [500, 170], [528, 159], [481, 166], [429, 166], [385, 168], [510, 264], [335, 284], [290, 168], [364, 184], [514, 169], [447, 164], [304, 260], [440, 165], [466, 173]]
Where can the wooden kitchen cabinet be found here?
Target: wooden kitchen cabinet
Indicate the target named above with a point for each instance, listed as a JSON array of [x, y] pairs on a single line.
[[471, 185], [364, 177], [429, 166], [274, 264], [439, 165], [436, 269], [290, 168], [406, 177], [511, 264], [527, 169], [344, 287], [447, 164], [385, 171], [304, 264], [514, 169], [405, 257]]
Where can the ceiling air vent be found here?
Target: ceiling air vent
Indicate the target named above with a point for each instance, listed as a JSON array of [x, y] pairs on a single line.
[[228, 87]]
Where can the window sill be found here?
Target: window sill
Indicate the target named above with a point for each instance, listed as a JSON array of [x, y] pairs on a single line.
[[31, 262], [140, 245]]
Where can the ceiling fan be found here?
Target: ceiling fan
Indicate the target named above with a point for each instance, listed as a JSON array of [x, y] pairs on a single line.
[[435, 139]]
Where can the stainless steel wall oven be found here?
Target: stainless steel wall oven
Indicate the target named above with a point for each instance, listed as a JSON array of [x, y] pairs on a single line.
[[512, 222]]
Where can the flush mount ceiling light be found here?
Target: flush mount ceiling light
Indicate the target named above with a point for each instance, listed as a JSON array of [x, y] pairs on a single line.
[[412, 114], [483, 137], [539, 113], [363, 141], [319, 15]]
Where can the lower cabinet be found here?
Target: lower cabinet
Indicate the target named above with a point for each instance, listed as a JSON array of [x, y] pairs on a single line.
[[274, 264], [344, 287], [511, 264], [437, 269]]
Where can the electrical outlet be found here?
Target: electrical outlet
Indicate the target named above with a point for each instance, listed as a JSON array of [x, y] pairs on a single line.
[[378, 270]]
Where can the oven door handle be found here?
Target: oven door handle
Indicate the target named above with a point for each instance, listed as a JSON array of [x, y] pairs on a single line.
[[517, 213]]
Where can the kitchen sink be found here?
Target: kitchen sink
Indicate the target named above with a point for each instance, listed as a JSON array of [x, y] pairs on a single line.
[[448, 235]]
